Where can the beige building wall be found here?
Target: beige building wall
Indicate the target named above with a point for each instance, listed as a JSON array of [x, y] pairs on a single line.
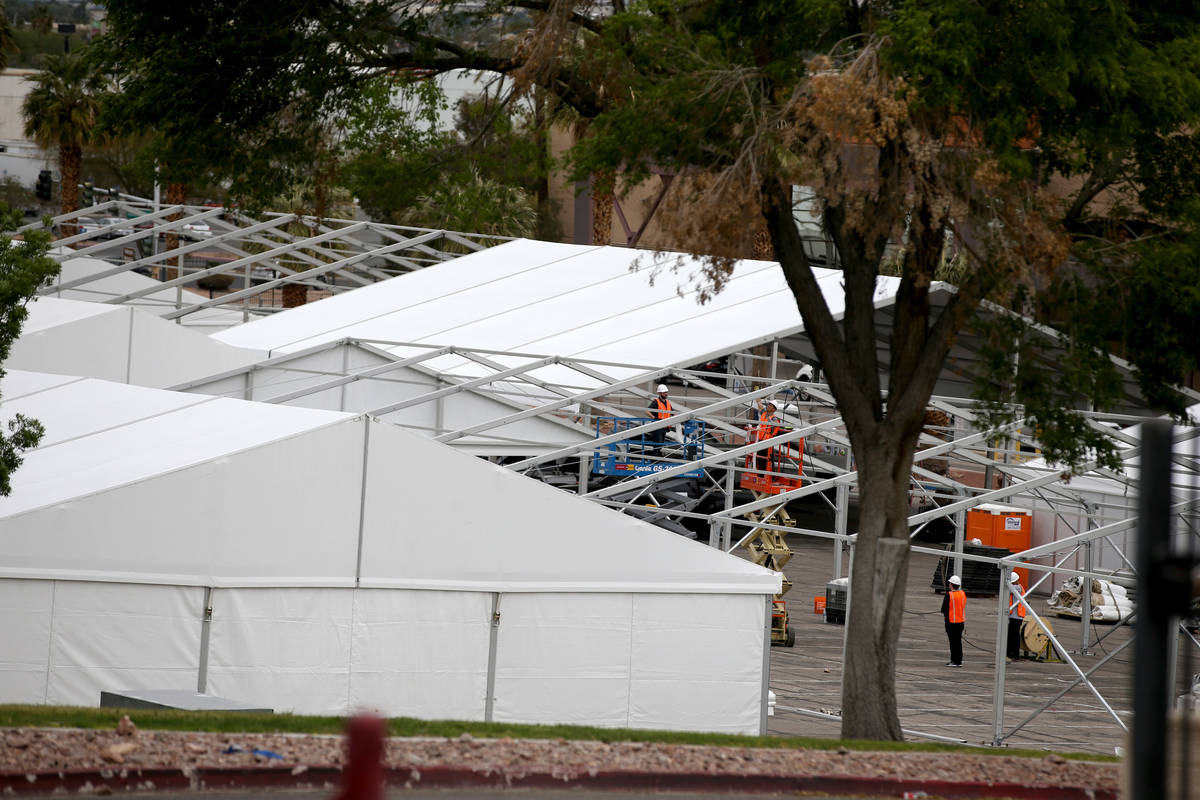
[[576, 206], [21, 158]]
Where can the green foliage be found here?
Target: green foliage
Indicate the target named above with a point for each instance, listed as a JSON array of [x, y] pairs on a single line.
[[63, 104], [230, 88], [24, 267], [480, 177], [476, 204]]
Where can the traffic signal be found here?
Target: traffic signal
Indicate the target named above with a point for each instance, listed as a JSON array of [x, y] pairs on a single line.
[[43, 188], [89, 193]]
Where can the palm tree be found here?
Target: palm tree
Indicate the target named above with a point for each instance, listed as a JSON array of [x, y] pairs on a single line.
[[6, 38], [61, 110]]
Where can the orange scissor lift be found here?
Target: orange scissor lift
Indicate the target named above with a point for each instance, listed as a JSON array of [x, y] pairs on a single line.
[[770, 472]]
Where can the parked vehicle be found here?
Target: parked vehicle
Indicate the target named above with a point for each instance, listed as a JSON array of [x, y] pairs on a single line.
[[115, 227], [197, 230]]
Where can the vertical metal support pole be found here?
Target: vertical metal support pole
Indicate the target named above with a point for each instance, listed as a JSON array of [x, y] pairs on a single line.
[[585, 467], [493, 638], [1001, 657], [205, 632], [248, 388], [1085, 615], [1149, 740], [726, 524], [362, 500], [345, 371], [766, 669], [775, 359], [246, 270], [439, 422], [960, 537]]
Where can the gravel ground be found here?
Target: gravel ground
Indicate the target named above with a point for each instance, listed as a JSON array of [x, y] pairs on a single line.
[[28, 750]]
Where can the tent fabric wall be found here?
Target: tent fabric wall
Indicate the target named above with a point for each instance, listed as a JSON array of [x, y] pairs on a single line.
[[287, 649], [118, 343], [351, 564], [26, 608], [675, 661], [659, 661], [64, 641], [421, 654]]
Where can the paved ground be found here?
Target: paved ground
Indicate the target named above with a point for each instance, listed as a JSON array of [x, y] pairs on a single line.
[[939, 700]]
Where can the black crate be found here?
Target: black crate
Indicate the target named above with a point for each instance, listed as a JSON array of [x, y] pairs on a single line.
[[835, 601], [979, 579]]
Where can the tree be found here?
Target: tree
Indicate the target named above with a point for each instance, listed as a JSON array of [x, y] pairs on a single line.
[[61, 111], [915, 122], [24, 267], [7, 44], [1047, 140], [42, 19], [483, 176]]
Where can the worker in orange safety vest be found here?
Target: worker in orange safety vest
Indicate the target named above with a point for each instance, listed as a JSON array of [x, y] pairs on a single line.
[[660, 408], [769, 426], [1016, 616], [954, 609]]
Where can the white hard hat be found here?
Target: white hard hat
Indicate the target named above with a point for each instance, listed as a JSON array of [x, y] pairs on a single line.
[[771, 402], [955, 580], [662, 387], [1014, 578]]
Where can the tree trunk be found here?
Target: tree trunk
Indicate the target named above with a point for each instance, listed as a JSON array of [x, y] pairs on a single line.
[[69, 158], [294, 294], [176, 195], [602, 208], [878, 583]]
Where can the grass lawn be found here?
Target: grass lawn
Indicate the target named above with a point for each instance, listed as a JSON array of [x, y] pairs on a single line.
[[228, 722]]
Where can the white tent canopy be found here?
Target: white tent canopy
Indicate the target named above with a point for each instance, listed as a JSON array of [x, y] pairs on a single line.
[[118, 343], [344, 570], [560, 299]]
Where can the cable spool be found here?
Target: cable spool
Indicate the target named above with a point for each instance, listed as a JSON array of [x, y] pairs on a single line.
[[1035, 640]]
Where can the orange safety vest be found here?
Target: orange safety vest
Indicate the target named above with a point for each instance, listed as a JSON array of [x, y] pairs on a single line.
[[767, 429], [664, 408], [958, 605], [1014, 605]]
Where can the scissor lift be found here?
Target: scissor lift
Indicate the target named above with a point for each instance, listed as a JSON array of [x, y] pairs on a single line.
[[640, 455], [766, 473]]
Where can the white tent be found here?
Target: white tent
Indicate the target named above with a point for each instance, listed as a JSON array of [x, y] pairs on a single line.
[[559, 299], [118, 343], [343, 569], [109, 283], [311, 379]]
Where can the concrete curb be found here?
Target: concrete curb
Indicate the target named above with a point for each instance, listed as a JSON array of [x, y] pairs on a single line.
[[106, 781]]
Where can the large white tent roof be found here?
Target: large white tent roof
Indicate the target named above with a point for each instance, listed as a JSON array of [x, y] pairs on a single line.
[[560, 299], [118, 343], [135, 484]]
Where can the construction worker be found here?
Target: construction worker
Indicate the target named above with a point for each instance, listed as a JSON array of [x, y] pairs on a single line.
[[769, 426], [954, 609], [660, 408], [1016, 616]]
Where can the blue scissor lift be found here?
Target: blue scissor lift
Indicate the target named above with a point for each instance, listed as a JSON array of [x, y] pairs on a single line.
[[639, 455]]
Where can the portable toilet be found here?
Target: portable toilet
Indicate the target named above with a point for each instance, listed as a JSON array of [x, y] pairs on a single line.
[[1002, 526]]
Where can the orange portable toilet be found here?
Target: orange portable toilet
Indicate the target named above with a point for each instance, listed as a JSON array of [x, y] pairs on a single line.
[[1002, 526]]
